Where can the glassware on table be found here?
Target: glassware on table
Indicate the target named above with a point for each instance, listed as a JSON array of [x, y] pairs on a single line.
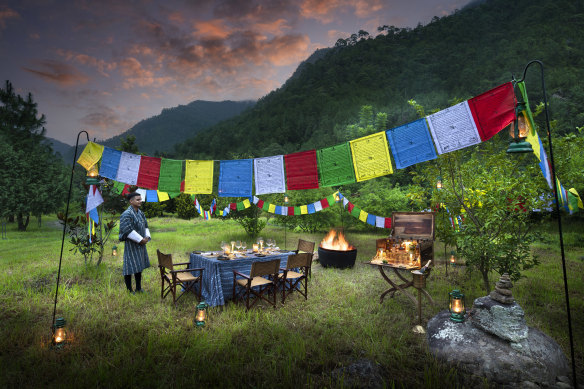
[[244, 245], [223, 245], [238, 245], [232, 246], [261, 243]]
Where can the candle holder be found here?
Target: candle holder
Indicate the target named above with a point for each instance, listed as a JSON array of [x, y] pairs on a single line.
[[201, 314], [456, 306]]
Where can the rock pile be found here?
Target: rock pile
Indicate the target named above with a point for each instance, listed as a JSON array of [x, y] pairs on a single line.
[[502, 292]]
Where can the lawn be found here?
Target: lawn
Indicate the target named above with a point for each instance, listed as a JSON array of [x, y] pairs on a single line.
[[123, 340]]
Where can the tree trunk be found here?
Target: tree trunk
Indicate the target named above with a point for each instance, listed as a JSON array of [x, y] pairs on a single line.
[[11, 219], [485, 273], [21, 224]]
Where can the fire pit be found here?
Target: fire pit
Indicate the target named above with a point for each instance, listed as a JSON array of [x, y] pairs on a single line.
[[335, 251]]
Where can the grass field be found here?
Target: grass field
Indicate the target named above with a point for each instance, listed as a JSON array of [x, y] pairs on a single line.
[[122, 340]]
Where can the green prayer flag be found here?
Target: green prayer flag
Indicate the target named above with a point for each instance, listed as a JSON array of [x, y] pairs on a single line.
[[240, 206], [572, 202], [335, 165], [331, 200], [173, 194], [119, 187], [266, 206], [356, 212], [296, 211], [170, 175]]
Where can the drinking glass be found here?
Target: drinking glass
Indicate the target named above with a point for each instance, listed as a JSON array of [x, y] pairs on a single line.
[[223, 245], [238, 245], [232, 245], [244, 245]]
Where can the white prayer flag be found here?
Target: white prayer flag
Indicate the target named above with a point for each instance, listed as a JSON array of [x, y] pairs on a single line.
[[453, 128], [317, 206], [269, 175], [93, 198], [129, 168], [379, 221], [142, 193]]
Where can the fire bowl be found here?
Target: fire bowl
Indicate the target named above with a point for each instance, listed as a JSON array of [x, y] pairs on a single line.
[[336, 258]]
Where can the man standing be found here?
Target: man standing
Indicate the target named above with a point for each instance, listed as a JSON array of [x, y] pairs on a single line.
[[134, 232]]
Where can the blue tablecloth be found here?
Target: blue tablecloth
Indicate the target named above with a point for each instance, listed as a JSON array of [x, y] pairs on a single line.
[[218, 274]]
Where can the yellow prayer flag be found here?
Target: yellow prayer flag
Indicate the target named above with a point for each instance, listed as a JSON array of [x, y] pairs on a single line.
[[162, 196], [90, 155], [304, 209], [575, 193], [272, 208], [199, 177], [247, 204], [371, 156], [533, 139], [363, 216]]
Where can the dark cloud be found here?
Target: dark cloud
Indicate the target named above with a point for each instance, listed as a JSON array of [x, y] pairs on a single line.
[[7, 14], [58, 72]]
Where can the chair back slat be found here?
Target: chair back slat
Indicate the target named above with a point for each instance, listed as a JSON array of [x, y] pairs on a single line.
[[298, 260], [306, 246], [164, 260], [259, 269]]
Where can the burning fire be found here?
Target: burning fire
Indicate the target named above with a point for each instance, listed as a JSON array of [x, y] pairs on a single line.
[[333, 242]]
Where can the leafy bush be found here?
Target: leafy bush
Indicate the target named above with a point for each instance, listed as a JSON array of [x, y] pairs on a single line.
[[185, 208], [153, 209]]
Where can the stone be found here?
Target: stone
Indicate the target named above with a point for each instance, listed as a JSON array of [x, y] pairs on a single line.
[[502, 292], [501, 298], [505, 292], [506, 321], [483, 354], [563, 385], [504, 284]]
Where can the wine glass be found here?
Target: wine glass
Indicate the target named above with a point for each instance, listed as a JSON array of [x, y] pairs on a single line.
[[238, 245], [232, 245], [244, 245], [261, 243], [223, 245], [274, 243]]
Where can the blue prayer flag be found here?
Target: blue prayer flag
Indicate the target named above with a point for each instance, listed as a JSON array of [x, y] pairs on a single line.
[[236, 178], [94, 215], [151, 196], [371, 219], [110, 161], [411, 144], [278, 210], [311, 208]]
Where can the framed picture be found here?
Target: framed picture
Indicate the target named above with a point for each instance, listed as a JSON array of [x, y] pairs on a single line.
[[413, 225]]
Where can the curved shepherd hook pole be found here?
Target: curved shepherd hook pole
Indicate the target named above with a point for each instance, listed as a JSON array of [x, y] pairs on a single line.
[[65, 223], [555, 187]]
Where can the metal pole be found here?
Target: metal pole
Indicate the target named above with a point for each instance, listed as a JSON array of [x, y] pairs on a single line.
[[555, 187], [65, 224]]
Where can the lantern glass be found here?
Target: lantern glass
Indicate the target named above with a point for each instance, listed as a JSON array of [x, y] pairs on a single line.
[[59, 333], [115, 251], [286, 199], [439, 183], [452, 258], [456, 306], [201, 314], [91, 178], [518, 131]]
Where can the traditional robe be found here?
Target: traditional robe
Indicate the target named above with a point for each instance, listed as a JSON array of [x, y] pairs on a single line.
[[133, 228]]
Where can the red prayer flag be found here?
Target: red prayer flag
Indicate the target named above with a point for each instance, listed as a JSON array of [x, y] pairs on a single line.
[[149, 172], [324, 202], [182, 186], [350, 207], [493, 110], [387, 222], [126, 190], [301, 170], [260, 204], [290, 211], [233, 206]]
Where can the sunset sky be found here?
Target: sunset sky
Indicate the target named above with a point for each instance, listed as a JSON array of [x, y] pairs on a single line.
[[105, 65]]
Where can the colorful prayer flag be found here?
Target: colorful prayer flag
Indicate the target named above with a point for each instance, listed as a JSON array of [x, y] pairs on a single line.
[[371, 156], [236, 178], [90, 155], [148, 173], [110, 161], [128, 168], [170, 175], [493, 110], [453, 128], [301, 170], [151, 196], [198, 177], [411, 144], [336, 165], [269, 175], [163, 196]]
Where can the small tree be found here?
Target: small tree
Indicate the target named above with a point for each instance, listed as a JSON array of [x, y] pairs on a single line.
[[185, 208]]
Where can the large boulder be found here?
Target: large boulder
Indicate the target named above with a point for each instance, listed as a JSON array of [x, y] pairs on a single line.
[[539, 363], [507, 321]]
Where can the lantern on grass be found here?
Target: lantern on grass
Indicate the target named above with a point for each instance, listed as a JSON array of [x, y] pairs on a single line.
[[519, 131], [456, 306], [201, 314], [115, 251], [286, 199], [59, 333], [452, 258]]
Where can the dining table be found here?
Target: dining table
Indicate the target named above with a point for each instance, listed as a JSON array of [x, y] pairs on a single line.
[[217, 282]]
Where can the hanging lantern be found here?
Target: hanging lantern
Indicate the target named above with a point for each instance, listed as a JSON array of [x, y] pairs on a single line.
[[452, 258], [92, 176], [201, 314], [439, 183], [518, 131], [286, 199], [456, 306], [59, 333], [115, 251]]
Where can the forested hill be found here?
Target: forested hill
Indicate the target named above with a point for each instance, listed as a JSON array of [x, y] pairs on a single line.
[[457, 56], [159, 133]]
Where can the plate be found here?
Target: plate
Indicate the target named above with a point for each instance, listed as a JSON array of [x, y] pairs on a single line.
[[260, 255]]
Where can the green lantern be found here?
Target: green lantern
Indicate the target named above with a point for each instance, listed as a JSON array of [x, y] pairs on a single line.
[[59, 333], [92, 176], [519, 131], [201, 314], [456, 306], [453, 258], [115, 251]]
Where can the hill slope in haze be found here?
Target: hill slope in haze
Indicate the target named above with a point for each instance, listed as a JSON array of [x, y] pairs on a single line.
[[457, 56]]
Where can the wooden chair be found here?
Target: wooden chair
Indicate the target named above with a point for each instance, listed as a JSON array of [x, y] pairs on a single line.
[[173, 278], [291, 279], [307, 247], [256, 280]]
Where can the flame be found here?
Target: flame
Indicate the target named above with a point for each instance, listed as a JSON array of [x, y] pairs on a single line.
[[333, 242]]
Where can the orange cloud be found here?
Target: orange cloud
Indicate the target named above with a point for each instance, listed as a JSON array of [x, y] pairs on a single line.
[[7, 14], [287, 50], [212, 29], [136, 75], [59, 73], [275, 27], [364, 8], [319, 9]]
